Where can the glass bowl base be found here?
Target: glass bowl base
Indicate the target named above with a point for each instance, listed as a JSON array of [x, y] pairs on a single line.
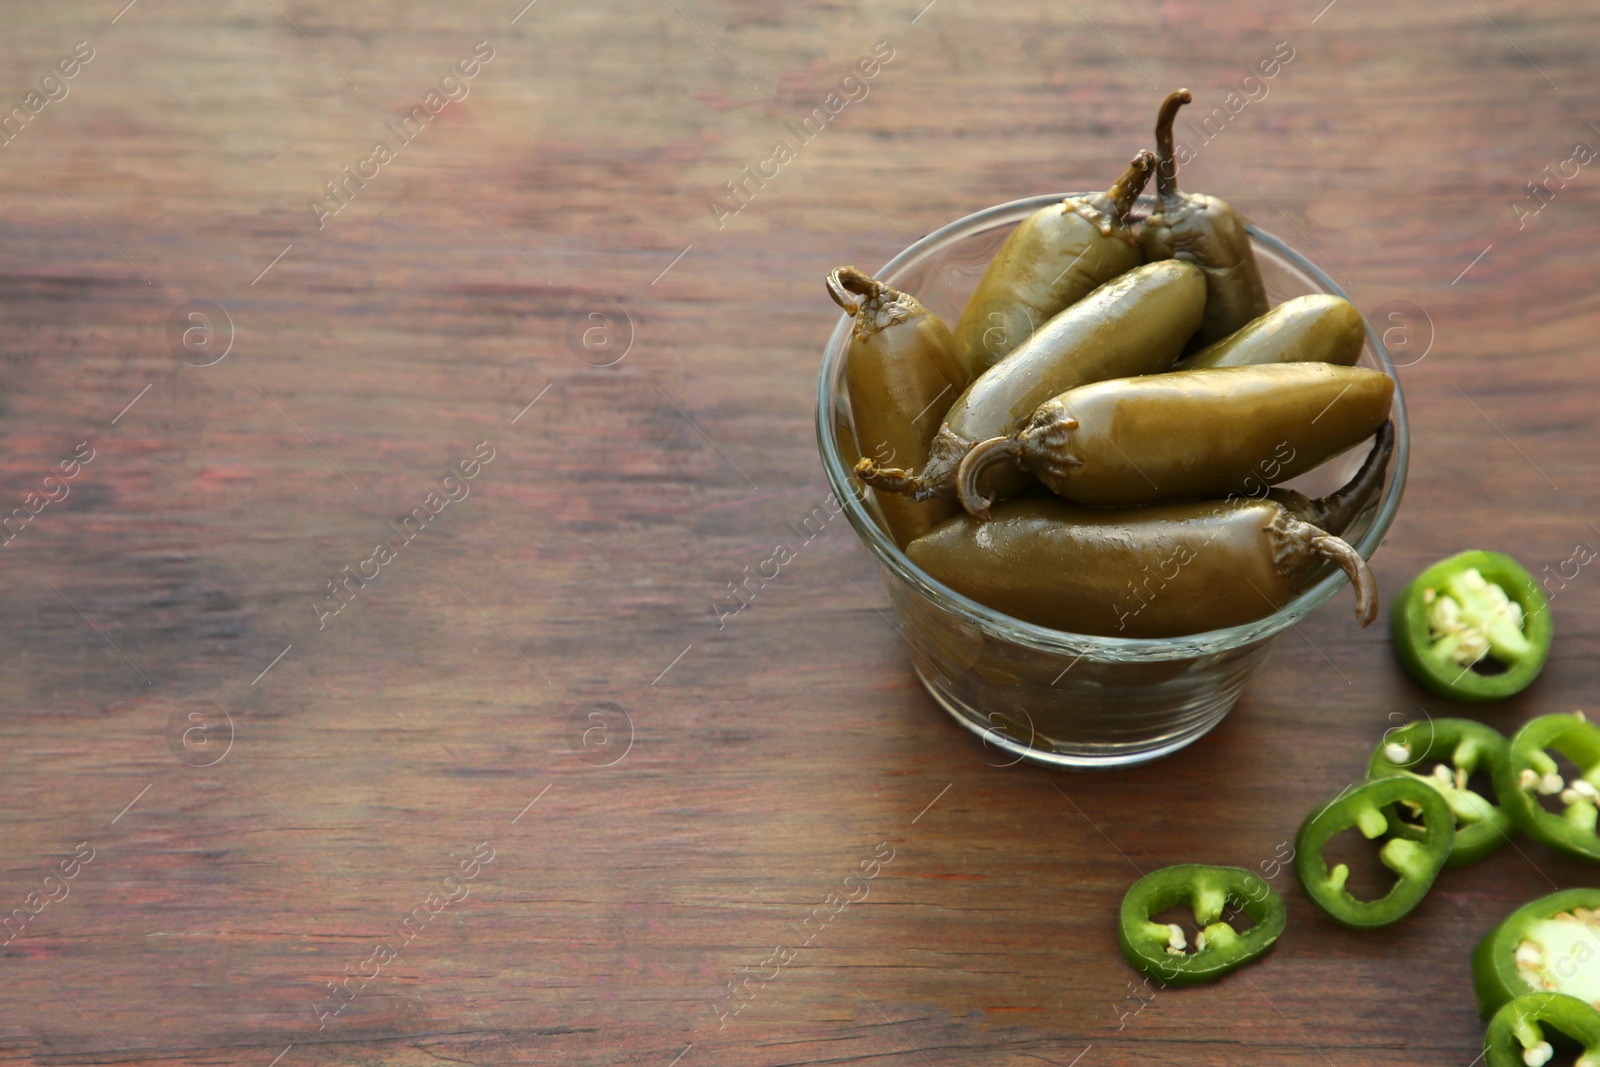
[[998, 732]]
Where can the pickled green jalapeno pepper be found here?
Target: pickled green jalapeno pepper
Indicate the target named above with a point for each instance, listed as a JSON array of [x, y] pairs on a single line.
[[1159, 571], [1416, 749], [1550, 945], [1162, 951], [1186, 435], [1530, 773], [1055, 257], [1206, 231], [1369, 808], [1317, 328], [898, 371], [1165, 570], [1518, 1035], [1475, 627], [1134, 324]]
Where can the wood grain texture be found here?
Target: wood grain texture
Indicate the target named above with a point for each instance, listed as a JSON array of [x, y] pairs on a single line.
[[558, 618]]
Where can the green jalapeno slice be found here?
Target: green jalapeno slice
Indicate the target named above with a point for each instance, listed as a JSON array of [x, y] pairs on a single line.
[[1369, 808], [1417, 749], [1475, 627], [1162, 950], [1519, 1034], [1530, 773], [1551, 945]]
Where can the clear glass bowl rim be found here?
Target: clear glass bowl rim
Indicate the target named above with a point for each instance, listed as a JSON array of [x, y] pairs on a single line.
[[1042, 638]]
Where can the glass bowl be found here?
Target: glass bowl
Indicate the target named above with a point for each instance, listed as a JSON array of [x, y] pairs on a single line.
[[1051, 697]]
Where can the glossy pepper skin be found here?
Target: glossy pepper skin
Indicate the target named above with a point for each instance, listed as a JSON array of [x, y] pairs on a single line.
[[898, 370], [1369, 807], [1549, 945], [1054, 258], [1162, 571], [1478, 621], [1418, 749], [1518, 1035], [1206, 231], [1134, 324], [1529, 773], [1186, 435], [1317, 328], [1161, 951]]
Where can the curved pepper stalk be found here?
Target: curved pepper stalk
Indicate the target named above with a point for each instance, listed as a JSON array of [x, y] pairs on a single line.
[[1206, 231], [1341, 554]]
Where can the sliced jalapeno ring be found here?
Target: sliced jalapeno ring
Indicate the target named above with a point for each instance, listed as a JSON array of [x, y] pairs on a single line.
[[1519, 1034], [1162, 951], [1530, 772], [1474, 627], [1419, 750], [1551, 945], [1417, 860]]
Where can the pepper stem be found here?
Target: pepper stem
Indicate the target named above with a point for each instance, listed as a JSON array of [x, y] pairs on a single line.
[[1336, 511], [887, 479], [1343, 555], [1166, 165], [1124, 192], [845, 281], [974, 465]]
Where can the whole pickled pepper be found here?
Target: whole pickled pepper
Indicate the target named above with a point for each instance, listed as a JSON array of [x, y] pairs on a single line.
[[1207, 232], [1166, 570], [898, 370], [1136, 323], [1186, 435], [1055, 257], [1317, 328]]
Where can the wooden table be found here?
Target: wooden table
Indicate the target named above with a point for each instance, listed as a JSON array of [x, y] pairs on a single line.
[[535, 283]]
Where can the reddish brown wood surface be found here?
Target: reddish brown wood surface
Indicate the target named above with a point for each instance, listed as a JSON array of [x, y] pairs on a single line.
[[559, 618]]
